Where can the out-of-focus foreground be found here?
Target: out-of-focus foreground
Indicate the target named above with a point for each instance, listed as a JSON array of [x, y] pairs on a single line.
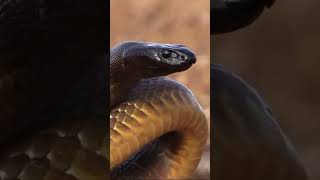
[[279, 56]]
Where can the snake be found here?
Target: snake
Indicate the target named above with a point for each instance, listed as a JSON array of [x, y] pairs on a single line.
[[66, 151], [148, 107], [65, 144], [53, 98], [249, 142]]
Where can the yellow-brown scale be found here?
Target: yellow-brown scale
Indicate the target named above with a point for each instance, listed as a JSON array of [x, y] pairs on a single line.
[[155, 107]]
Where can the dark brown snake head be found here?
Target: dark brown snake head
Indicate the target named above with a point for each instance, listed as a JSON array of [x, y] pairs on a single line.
[[132, 61], [151, 59]]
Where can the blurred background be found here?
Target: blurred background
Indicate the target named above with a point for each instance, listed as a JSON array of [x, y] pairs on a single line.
[[165, 21], [279, 56]]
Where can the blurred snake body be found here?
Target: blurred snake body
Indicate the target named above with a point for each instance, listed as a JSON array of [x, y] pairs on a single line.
[[249, 143], [151, 106]]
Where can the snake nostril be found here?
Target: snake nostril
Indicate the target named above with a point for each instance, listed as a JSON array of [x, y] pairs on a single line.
[[183, 57]]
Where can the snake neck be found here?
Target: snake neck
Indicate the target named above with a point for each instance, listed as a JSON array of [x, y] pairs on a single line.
[[122, 78], [118, 91]]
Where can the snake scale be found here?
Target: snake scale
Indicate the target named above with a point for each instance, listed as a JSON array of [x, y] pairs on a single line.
[[154, 108], [75, 147]]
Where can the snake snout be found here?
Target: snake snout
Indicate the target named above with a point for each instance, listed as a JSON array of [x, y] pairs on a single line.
[[176, 58]]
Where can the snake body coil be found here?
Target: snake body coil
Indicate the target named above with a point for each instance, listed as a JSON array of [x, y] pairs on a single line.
[[153, 107], [53, 123]]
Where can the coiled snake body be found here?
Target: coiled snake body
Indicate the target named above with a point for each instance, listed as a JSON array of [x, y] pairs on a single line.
[[53, 91], [154, 106], [150, 108]]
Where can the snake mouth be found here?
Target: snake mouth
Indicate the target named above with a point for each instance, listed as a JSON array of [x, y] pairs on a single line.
[[160, 59], [173, 57], [168, 61]]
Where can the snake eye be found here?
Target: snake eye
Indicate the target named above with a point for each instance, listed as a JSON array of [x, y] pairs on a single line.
[[166, 54]]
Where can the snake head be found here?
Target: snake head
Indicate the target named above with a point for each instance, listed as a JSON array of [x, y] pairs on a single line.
[[154, 59]]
